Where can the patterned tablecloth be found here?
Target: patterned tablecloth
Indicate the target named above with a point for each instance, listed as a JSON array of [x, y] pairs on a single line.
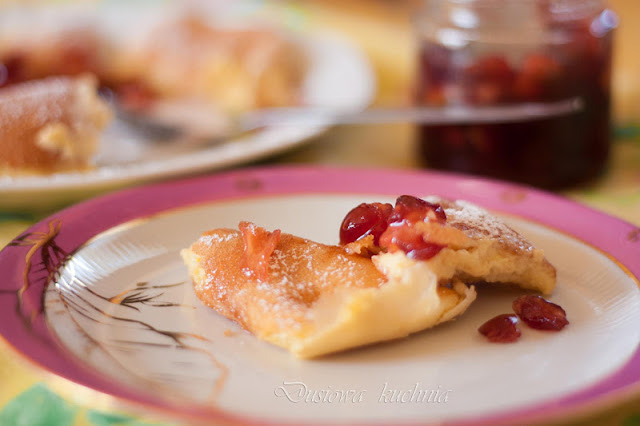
[[29, 396]]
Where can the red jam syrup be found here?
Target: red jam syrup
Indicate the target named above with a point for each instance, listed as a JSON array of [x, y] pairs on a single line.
[[501, 329], [551, 152], [539, 313], [393, 228]]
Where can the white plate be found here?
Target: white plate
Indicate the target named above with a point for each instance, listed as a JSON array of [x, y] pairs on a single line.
[[339, 77], [120, 315], [260, 380]]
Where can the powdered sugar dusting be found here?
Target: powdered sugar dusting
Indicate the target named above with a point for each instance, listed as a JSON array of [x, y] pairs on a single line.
[[478, 223], [35, 98], [209, 239], [300, 271]]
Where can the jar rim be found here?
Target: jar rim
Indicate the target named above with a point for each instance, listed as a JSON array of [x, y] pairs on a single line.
[[570, 8], [500, 27]]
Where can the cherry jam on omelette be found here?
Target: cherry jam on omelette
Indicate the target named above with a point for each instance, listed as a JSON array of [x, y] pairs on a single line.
[[398, 269]]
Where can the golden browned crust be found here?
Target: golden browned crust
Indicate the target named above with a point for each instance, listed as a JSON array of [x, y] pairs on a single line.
[[494, 252], [320, 299], [300, 270]]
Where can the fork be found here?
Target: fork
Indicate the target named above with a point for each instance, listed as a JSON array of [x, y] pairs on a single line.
[[200, 126]]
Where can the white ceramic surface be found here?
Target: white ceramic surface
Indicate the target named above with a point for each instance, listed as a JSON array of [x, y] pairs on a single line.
[[158, 337]]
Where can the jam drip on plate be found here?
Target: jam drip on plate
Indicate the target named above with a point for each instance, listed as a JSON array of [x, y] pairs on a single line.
[[501, 329], [539, 313], [536, 312]]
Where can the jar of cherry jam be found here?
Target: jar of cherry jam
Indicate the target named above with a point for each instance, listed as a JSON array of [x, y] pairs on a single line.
[[515, 54]]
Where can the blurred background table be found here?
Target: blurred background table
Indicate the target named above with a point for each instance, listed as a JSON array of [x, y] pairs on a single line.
[[383, 30]]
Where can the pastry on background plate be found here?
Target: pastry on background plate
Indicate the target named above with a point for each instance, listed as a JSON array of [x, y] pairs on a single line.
[[50, 125], [398, 270], [177, 57], [236, 69], [178, 70]]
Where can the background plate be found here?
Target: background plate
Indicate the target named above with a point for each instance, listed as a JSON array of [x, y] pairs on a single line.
[[122, 318], [339, 78]]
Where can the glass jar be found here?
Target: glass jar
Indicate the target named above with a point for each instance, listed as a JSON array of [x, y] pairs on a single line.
[[516, 52]]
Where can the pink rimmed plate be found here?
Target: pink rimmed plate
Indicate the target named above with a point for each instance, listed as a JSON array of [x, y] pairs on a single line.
[[98, 294]]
